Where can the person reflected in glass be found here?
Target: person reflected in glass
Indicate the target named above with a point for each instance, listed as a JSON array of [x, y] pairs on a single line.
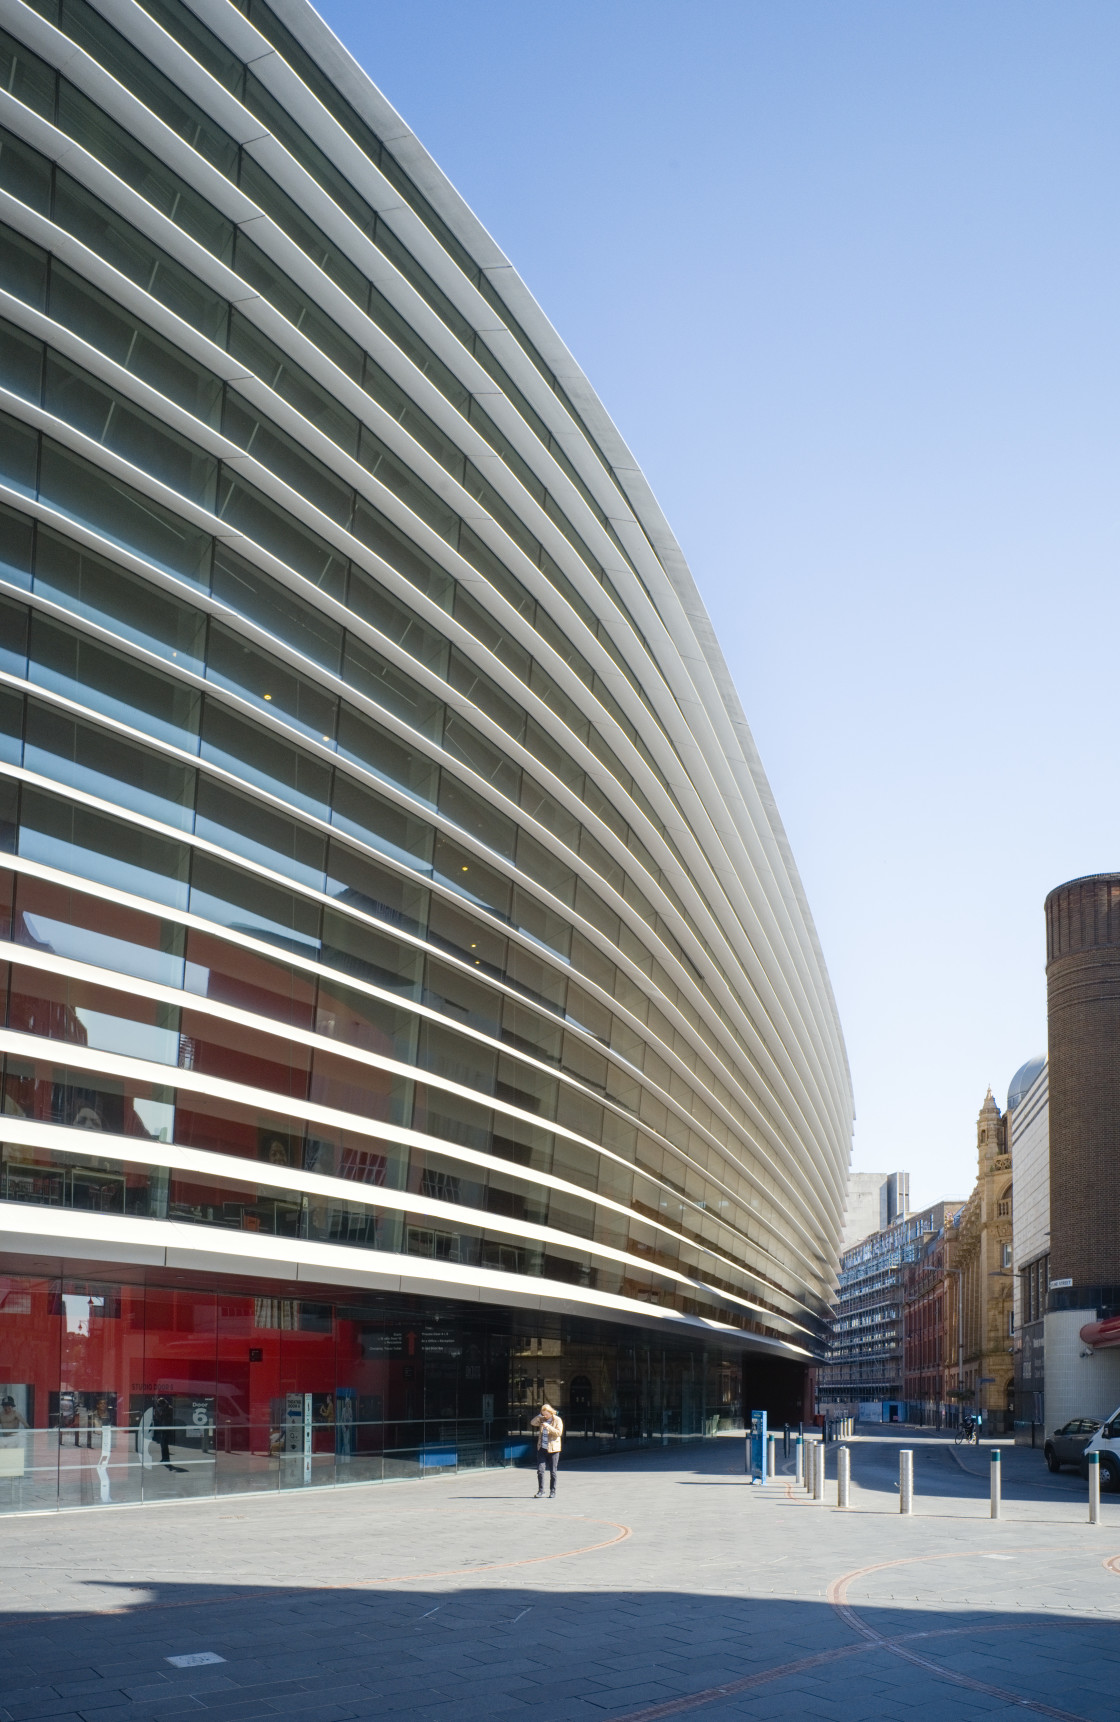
[[10, 1419], [344, 1426], [163, 1423]]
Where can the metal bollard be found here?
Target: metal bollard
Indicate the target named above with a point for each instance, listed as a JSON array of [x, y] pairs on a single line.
[[996, 1483], [1094, 1488], [785, 1443], [798, 1462], [818, 1474], [843, 1476], [905, 1480], [771, 1457]]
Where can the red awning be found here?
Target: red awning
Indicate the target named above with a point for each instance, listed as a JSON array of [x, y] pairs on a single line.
[[1102, 1333]]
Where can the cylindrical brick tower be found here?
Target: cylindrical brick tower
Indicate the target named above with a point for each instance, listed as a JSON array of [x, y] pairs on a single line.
[[1083, 988]]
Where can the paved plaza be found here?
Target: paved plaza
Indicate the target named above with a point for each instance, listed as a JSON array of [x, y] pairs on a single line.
[[657, 1584]]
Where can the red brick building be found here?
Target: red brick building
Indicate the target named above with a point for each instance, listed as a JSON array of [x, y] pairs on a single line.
[[929, 1292]]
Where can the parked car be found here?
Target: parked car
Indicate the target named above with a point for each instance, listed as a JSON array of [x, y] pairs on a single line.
[[1106, 1442], [1067, 1445]]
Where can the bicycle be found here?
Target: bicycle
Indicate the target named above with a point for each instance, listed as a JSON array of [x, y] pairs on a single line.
[[966, 1433]]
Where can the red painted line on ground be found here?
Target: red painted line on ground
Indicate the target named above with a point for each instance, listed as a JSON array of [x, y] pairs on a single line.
[[870, 1640], [693, 1700], [837, 1595]]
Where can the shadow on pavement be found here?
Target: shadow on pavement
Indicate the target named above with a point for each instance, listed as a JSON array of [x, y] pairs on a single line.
[[328, 1653]]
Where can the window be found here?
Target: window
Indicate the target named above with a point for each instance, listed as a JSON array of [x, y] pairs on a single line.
[[104, 592], [97, 847], [144, 172], [88, 758], [105, 325], [137, 436], [261, 520], [245, 589], [271, 686], [235, 821], [88, 494], [83, 670], [230, 898], [260, 756]]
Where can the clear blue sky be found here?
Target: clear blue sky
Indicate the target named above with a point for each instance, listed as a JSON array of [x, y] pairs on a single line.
[[846, 276]]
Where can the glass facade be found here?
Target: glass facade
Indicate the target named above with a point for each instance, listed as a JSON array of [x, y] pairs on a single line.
[[375, 806], [125, 1393]]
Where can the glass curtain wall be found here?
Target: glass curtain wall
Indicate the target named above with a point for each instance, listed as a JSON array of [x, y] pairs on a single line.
[[386, 865], [123, 1393]]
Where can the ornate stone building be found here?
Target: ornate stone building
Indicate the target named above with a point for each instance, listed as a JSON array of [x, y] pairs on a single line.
[[982, 1254]]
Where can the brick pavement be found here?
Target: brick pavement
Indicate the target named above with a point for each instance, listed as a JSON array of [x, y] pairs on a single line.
[[657, 1585]]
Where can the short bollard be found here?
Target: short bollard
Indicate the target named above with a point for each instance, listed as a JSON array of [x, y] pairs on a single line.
[[843, 1476], [798, 1462], [771, 1457], [1094, 1488], [785, 1442], [996, 1483], [905, 1480], [818, 1474]]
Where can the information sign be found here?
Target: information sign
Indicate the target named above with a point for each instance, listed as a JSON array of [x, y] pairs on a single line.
[[757, 1464]]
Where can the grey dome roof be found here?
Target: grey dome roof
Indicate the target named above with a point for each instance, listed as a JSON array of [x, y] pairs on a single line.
[[1025, 1077]]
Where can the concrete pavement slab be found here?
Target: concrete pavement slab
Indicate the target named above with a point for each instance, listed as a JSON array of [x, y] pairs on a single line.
[[660, 1584]]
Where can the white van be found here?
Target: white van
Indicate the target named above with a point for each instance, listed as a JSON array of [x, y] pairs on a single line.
[[1106, 1442]]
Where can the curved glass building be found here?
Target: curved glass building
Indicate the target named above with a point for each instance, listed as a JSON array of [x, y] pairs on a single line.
[[412, 1009]]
